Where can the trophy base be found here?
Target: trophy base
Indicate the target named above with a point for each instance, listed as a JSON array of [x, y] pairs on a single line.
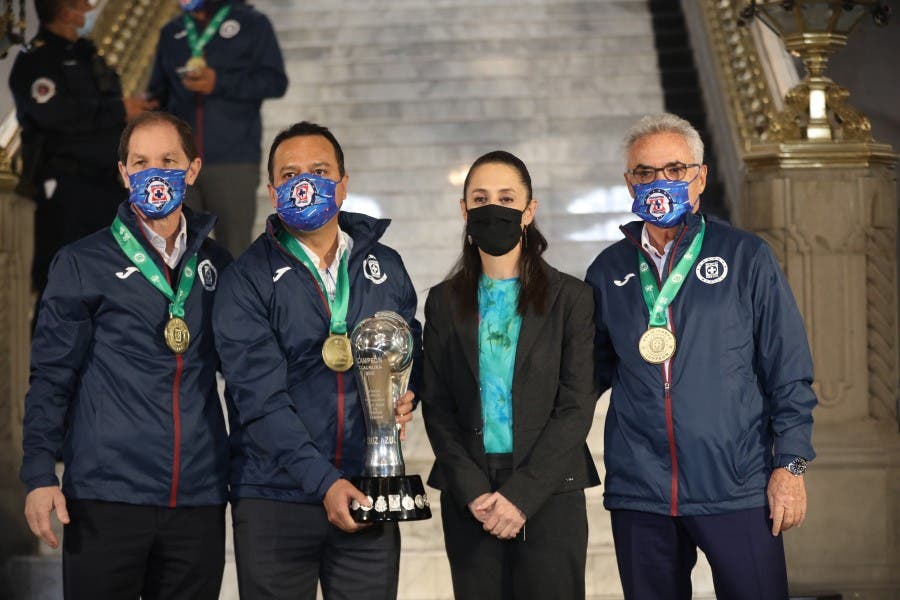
[[393, 499]]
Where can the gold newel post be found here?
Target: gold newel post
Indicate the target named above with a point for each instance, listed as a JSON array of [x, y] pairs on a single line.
[[824, 195], [16, 248]]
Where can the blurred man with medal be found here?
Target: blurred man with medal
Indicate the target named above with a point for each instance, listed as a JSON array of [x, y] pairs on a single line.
[[215, 64], [709, 428], [282, 320], [123, 386]]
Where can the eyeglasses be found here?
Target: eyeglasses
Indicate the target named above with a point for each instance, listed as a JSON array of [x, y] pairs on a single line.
[[672, 172]]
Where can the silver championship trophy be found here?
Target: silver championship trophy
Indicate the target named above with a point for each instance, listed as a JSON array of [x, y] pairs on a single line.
[[383, 351]]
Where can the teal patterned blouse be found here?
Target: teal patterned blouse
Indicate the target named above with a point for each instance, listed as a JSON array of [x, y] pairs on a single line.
[[498, 336]]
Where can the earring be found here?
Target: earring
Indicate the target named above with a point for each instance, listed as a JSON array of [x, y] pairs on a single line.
[[469, 239], [525, 236]]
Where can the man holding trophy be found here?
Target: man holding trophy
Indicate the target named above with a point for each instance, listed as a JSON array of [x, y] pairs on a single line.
[[283, 321]]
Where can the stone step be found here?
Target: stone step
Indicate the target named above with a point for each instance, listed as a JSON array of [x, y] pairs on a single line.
[[623, 46], [413, 68], [534, 150], [551, 86], [353, 15], [387, 34], [424, 111]]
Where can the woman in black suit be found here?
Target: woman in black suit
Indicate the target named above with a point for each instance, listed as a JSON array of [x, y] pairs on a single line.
[[508, 399]]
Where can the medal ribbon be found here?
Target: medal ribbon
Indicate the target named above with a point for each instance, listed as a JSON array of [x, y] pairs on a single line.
[[658, 301], [197, 43], [136, 254], [341, 301]]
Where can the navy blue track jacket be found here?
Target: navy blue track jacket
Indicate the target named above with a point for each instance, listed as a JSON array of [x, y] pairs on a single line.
[[135, 423], [696, 436], [296, 425], [249, 68]]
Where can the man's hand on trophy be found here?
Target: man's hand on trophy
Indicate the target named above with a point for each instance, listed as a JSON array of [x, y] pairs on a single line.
[[337, 505], [504, 519], [403, 412]]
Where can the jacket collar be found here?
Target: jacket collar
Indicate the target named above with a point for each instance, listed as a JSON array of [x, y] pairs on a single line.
[[683, 236], [199, 226], [365, 230], [528, 334]]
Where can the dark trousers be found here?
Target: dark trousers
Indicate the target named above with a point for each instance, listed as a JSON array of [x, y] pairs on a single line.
[[114, 551], [283, 549], [546, 560], [656, 554], [229, 192]]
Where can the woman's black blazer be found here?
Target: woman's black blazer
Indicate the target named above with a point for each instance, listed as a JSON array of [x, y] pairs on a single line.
[[553, 397]]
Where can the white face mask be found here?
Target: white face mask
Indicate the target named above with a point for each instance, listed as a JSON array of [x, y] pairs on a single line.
[[90, 19]]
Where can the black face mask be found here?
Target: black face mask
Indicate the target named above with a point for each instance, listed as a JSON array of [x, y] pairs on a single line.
[[495, 229]]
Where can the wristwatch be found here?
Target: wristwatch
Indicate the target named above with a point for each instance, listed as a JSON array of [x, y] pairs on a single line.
[[797, 466]]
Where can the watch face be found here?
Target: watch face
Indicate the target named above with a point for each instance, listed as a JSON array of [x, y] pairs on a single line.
[[797, 466]]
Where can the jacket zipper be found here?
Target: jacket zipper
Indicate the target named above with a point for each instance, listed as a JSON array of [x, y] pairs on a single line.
[[666, 369], [176, 404], [176, 416], [667, 384]]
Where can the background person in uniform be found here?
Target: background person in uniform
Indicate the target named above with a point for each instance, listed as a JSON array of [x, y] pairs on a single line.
[[215, 64], [297, 426], [71, 111], [710, 420], [508, 399], [138, 419]]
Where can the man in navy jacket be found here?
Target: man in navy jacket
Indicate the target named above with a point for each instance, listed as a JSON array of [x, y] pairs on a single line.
[[215, 64], [297, 425], [138, 421], [709, 426]]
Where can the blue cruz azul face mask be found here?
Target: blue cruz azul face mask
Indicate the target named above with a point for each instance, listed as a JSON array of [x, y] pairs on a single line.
[[306, 202], [189, 5], [157, 192], [662, 203]]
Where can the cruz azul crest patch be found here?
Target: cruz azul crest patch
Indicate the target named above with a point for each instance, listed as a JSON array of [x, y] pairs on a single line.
[[229, 29], [372, 270], [303, 193], [158, 191], [659, 203], [712, 270], [208, 274]]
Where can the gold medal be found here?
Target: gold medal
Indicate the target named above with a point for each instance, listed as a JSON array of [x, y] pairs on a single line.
[[336, 353], [195, 64], [657, 345], [177, 335]]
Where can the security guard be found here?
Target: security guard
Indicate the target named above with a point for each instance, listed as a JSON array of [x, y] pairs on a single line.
[[70, 107]]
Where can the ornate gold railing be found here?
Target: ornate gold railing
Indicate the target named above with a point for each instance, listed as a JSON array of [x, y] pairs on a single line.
[[126, 34], [740, 71]]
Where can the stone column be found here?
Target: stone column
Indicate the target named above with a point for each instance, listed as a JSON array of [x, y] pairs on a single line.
[[16, 235], [829, 211]]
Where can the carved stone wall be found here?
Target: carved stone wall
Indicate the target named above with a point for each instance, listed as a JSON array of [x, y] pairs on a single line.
[[16, 226], [834, 231]]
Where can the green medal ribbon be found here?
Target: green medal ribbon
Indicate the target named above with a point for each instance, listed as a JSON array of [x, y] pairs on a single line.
[[341, 301], [136, 254], [658, 301], [198, 42]]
